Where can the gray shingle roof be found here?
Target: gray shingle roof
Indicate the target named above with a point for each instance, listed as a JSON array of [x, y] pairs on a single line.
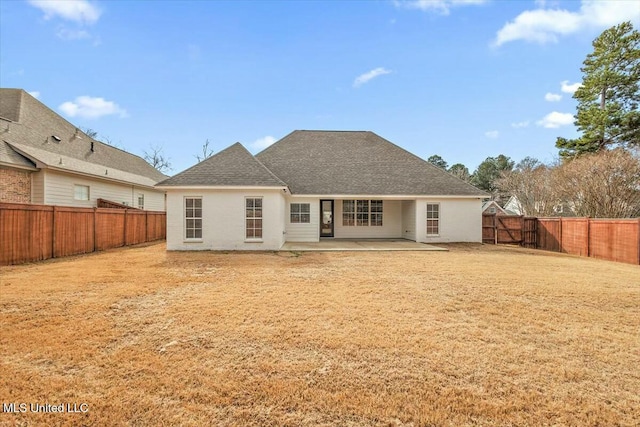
[[233, 166], [71, 163], [356, 163], [32, 126]]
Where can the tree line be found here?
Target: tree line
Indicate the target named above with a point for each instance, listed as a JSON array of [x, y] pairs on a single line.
[[597, 174]]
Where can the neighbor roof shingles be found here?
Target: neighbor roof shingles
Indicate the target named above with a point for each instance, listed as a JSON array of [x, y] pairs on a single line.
[[356, 163], [233, 166], [32, 124]]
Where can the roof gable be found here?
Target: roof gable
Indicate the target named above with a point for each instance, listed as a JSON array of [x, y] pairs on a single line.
[[30, 123], [356, 163], [233, 166]]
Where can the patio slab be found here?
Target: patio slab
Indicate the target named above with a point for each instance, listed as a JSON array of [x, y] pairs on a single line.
[[359, 245]]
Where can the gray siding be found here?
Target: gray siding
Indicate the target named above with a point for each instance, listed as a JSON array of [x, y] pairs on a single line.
[[60, 191], [303, 232], [409, 219]]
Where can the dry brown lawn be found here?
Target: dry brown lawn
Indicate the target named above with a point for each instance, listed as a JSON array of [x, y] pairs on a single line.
[[478, 336]]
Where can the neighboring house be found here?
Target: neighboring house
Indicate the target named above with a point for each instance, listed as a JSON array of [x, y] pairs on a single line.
[[312, 185], [492, 207], [44, 159], [515, 207]]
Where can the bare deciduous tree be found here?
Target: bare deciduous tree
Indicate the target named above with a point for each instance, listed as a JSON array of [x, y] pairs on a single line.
[[602, 185], [156, 158], [532, 183], [206, 152], [91, 133]]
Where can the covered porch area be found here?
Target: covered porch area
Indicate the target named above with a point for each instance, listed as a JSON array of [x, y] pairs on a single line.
[[359, 245]]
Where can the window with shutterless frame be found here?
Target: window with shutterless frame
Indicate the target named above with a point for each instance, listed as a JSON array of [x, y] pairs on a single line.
[[253, 218], [348, 212], [433, 219], [80, 192], [300, 213], [362, 213], [193, 217]]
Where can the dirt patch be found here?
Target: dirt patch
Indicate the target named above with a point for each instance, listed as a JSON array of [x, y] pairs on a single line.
[[479, 335]]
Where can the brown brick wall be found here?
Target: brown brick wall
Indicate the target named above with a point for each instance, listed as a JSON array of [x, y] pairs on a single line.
[[15, 186]]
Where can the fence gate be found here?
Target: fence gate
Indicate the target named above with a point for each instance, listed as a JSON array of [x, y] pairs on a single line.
[[509, 229]]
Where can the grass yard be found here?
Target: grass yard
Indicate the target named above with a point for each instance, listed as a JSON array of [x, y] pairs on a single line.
[[478, 336]]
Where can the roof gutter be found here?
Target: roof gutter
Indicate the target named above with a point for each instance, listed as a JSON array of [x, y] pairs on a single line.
[[392, 196], [16, 166], [89, 175], [222, 187], [43, 165]]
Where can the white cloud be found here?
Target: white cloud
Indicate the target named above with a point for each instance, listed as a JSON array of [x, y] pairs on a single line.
[[493, 134], [67, 34], [519, 125], [440, 6], [552, 97], [368, 76], [262, 143], [91, 108], [545, 25], [555, 120], [81, 11], [34, 93], [569, 88]]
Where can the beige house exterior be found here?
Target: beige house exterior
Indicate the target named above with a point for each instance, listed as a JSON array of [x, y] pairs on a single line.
[[314, 185], [44, 159]]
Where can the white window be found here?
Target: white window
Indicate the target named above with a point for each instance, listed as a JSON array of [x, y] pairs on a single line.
[[253, 217], [140, 201], [433, 219], [376, 213], [362, 213], [348, 212], [300, 213], [193, 217], [81, 192]]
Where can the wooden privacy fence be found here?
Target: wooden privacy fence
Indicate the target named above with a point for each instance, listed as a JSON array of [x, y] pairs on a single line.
[[36, 232], [610, 239]]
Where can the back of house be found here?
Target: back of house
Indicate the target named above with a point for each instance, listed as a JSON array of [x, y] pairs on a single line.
[[314, 185]]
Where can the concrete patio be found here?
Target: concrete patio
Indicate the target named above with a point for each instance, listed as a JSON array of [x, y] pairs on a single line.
[[359, 245]]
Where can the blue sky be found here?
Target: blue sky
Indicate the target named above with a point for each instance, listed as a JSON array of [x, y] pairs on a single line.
[[465, 79]]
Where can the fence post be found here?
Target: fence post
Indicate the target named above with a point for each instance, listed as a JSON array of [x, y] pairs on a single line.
[[588, 237], [146, 226], [638, 241], [95, 225], [125, 227], [53, 233], [560, 245], [495, 230]]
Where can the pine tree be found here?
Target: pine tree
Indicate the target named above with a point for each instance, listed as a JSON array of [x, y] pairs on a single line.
[[608, 99]]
